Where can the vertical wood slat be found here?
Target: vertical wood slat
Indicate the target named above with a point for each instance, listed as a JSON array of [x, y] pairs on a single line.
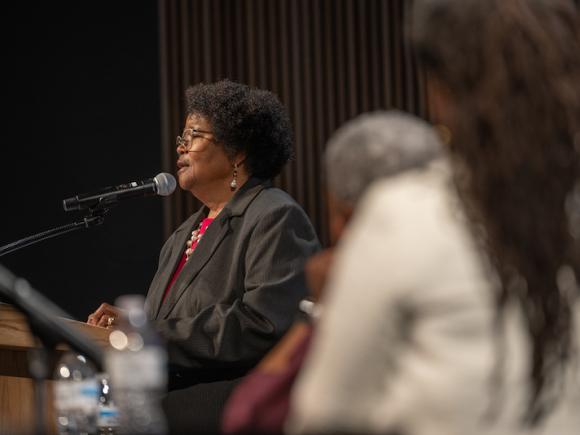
[[274, 64], [239, 40], [340, 65], [284, 91], [330, 76], [319, 127], [261, 27], [327, 60], [363, 44], [375, 79], [310, 156], [386, 55], [296, 108], [350, 60], [250, 62]]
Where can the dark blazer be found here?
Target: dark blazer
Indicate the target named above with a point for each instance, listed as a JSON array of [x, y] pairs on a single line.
[[238, 292]]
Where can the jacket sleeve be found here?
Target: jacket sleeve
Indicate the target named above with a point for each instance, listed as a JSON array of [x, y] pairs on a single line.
[[238, 334]]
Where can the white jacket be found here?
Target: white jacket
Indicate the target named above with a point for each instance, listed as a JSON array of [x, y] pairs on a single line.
[[406, 340]]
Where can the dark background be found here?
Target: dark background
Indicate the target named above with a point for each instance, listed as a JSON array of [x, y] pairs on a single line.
[[81, 112]]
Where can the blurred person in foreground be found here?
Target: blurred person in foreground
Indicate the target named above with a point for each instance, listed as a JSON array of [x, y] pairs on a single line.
[[362, 151], [449, 320], [230, 276]]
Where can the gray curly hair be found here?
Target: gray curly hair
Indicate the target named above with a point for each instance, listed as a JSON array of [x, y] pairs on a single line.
[[376, 145]]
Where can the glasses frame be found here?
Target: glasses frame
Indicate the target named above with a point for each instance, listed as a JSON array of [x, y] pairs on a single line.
[[180, 141]]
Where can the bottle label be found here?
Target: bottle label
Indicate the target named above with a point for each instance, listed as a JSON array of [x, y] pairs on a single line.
[[81, 395], [108, 416], [144, 369], [64, 394], [87, 394]]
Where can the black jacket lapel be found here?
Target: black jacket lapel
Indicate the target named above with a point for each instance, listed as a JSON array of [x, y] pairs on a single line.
[[209, 243], [182, 234]]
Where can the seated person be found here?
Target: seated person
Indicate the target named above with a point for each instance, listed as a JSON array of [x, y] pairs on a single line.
[[454, 307], [230, 276], [362, 151]]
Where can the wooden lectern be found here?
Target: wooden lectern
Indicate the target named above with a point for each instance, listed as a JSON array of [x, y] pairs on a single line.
[[17, 413]]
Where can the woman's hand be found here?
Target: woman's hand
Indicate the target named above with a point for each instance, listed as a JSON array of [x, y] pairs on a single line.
[[105, 316]]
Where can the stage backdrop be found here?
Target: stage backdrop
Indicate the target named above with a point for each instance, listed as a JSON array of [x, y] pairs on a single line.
[[328, 61]]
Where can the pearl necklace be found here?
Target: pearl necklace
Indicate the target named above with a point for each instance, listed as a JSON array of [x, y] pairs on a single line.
[[193, 241]]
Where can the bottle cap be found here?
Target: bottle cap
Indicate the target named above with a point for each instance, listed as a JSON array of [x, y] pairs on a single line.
[[134, 307]]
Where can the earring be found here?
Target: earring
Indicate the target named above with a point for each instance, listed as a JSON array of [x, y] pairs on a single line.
[[234, 182]]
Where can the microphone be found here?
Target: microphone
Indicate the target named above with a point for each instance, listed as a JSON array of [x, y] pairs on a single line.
[[162, 184]]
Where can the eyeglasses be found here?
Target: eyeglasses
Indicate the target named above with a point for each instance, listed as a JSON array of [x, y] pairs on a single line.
[[188, 135]]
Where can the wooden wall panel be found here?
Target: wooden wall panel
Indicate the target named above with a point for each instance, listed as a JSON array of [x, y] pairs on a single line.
[[327, 60]]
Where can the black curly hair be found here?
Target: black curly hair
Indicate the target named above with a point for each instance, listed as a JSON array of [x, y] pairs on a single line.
[[514, 74], [248, 120]]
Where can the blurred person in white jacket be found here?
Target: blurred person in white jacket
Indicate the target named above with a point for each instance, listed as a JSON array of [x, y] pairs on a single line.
[[453, 304]]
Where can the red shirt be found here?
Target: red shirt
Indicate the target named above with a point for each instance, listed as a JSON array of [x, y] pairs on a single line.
[[203, 226]]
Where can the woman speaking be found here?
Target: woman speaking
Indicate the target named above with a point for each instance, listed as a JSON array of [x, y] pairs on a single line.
[[230, 277]]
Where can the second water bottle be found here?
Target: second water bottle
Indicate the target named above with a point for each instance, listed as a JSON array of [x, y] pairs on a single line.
[[137, 366]]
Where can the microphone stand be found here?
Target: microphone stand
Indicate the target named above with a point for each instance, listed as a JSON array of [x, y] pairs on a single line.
[[94, 218]]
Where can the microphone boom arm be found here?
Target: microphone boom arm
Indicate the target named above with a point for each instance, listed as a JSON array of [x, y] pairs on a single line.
[[98, 204], [94, 218]]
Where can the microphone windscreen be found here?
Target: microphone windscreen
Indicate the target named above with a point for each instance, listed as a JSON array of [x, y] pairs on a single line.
[[166, 183]]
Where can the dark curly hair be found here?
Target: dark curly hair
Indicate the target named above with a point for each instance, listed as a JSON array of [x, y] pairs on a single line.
[[513, 69], [248, 120]]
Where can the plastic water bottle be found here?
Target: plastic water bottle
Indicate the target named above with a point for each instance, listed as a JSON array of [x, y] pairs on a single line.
[[107, 414], [75, 395], [137, 366]]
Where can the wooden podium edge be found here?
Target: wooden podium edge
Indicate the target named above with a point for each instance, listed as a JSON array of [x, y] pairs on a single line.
[[17, 413], [16, 340]]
